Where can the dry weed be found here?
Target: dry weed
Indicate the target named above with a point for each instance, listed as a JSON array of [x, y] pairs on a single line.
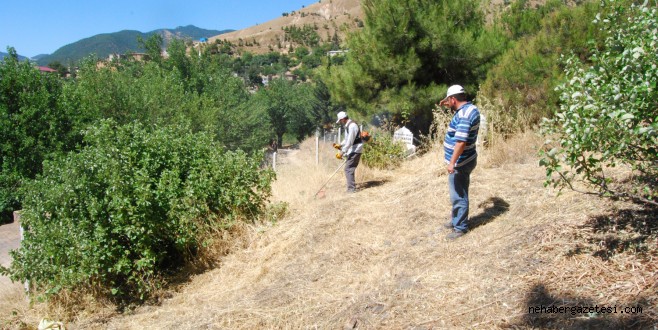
[[379, 260]]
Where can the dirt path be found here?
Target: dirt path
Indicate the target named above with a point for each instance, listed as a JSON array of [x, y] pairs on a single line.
[[9, 240]]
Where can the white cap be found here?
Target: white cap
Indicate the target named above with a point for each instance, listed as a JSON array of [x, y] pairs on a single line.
[[341, 115], [454, 90]]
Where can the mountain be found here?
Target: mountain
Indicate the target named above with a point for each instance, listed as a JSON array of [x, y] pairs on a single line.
[[3, 54], [120, 42], [37, 57]]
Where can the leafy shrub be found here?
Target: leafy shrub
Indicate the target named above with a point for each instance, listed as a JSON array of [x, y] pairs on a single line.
[[609, 110], [33, 125], [383, 152], [181, 91], [523, 80], [521, 19], [130, 207]]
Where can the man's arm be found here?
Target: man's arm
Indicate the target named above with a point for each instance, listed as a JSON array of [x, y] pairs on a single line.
[[459, 149], [350, 135]]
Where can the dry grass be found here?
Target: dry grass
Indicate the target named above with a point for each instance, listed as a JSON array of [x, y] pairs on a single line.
[[378, 259], [329, 16]]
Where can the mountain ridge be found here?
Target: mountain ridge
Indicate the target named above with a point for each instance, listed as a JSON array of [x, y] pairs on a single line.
[[3, 55], [122, 41]]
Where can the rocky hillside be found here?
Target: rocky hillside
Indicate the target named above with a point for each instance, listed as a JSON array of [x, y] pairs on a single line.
[[328, 16]]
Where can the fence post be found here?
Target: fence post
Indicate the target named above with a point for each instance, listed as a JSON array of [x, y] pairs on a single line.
[[317, 146], [274, 161]]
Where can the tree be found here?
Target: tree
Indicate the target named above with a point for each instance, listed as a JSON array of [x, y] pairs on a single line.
[[178, 58], [33, 126], [324, 111], [609, 110], [408, 51], [287, 105], [153, 46]]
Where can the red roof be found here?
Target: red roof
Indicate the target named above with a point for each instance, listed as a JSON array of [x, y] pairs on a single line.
[[46, 69]]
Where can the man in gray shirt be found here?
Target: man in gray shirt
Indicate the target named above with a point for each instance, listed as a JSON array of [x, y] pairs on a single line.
[[351, 147]]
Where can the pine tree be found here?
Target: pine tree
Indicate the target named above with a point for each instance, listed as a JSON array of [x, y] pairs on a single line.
[[408, 51]]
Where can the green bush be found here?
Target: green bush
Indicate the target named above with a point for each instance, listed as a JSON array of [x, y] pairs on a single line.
[[609, 110], [523, 80], [131, 206], [33, 125], [383, 152]]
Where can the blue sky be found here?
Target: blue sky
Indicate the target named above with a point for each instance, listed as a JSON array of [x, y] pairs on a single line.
[[36, 27]]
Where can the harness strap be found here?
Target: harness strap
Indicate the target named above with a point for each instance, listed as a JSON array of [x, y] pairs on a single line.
[[357, 139]]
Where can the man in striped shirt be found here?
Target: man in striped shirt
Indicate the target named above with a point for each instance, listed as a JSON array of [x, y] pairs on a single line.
[[460, 155]]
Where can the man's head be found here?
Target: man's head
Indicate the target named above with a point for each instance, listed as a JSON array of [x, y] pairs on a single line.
[[455, 97], [342, 117]]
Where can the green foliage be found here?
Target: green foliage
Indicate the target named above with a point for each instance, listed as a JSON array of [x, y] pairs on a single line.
[[288, 106], [524, 79], [324, 111], [306, 35], [33, 125], [520, 19], [408, 51], [133, 204], [179, 90], [153, 46], [609, 110], [383, 152]]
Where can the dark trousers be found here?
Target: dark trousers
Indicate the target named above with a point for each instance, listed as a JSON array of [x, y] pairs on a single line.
[[350, 167]]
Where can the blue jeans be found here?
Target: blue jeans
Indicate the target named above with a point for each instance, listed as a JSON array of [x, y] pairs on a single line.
[[458, 183]]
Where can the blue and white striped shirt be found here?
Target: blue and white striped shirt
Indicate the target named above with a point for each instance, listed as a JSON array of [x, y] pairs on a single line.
[[463, 127]]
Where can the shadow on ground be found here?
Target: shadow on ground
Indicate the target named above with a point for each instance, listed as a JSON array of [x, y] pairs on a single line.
[[626, 230], [543, 312], [493, 208], [371, 184]]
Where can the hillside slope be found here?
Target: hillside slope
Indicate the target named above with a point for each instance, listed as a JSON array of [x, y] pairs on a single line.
[[378, 259], [335, 16]]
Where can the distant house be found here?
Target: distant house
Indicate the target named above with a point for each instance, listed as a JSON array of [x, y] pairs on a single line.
[[138, 57], [46, 69], [203, 40], [333, 53], [130, 56], [288, 76]]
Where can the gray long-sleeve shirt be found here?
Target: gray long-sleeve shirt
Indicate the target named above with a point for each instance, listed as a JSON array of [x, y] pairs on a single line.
[[347, 146]]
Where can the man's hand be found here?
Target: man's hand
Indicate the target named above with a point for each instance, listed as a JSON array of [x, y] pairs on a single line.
[[459, 149], [451, 168]]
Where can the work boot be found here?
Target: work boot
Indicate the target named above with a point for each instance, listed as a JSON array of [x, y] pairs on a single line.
[[455, 235]]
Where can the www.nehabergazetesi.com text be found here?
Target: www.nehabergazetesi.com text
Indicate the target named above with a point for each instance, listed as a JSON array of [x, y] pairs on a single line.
[[573, 310]]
